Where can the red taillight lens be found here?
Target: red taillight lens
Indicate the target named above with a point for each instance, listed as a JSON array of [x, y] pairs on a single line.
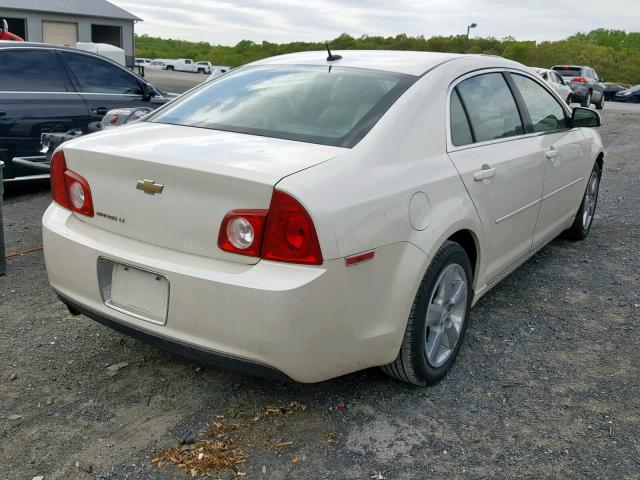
[[242, 232], [58, 188], [284, 233], [68, 188], [290, 235], [579, 80]]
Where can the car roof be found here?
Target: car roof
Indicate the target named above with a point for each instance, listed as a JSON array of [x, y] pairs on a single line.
[[407, 62], [12, 44]]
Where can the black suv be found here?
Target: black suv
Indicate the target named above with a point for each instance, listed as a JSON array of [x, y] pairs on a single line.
[[48, 88], [584, 83]]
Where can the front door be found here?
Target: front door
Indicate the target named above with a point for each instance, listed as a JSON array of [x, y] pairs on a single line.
[[501, 169], [559, 148]]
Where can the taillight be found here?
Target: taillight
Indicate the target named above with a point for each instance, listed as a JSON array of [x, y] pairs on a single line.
[[284, 233], [290, 235], [579, 80], [68, 188], [242, 231]]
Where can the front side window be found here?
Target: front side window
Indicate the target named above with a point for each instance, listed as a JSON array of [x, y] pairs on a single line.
[[325, 105], [490, 106], [25, 70], [545, 111], [99, 76]]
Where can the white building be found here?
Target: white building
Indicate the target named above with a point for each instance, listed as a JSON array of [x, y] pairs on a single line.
[[65, 22]]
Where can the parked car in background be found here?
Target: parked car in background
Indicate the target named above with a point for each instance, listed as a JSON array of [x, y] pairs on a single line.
[[584, 83], [143, 62], [49, 88], [203, 67], [355, 225], [630, 95], [157, 65], [187, 65], [610, 89], [557, 83], [218, 70]]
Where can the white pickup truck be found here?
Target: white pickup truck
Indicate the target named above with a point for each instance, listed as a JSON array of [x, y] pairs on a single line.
[[187, 65]]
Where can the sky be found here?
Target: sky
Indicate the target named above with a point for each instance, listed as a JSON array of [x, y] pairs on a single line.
[[226, 22]]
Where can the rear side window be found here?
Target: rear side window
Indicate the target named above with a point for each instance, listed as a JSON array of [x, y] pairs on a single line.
[[491, 107], [30, 71], [545, 111], [99, 76], [460, 129]]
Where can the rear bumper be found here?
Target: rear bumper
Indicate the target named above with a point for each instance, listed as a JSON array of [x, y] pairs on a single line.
[[580, 92], [310, 323], [190, 351]]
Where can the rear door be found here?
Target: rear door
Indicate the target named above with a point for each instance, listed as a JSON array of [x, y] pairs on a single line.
[[36, 97], [500, 166], [104, 85], [560, 151]]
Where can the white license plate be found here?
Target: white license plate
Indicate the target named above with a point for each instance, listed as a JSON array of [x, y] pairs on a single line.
[[137, 292]]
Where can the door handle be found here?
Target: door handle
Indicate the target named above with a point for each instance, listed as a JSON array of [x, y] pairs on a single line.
[[551, 153], [486, 173], [100, 110]]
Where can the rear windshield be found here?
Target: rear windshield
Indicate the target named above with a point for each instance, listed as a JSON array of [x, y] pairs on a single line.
[[568, 72], [325, 105]]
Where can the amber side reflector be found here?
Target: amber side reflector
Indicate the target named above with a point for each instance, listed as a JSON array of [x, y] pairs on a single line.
[[361, 257]]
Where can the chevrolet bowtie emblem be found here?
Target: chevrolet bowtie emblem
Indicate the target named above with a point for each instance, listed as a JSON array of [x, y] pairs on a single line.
[[149, 186]]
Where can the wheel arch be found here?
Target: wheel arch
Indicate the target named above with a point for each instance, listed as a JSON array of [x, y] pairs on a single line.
[[469, 242]]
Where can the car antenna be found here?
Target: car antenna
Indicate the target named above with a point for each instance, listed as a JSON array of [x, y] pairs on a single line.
[[332, 57]]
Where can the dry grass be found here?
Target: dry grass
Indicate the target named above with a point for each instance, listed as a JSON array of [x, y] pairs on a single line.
[[221, 447]]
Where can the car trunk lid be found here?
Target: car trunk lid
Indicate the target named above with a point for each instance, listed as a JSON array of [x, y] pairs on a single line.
[[171, 186]]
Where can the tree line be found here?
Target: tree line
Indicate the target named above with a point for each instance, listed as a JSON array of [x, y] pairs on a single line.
[[615, 54]]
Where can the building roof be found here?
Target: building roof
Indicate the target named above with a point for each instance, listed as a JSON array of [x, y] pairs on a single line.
[[409, 62], [87, 8]]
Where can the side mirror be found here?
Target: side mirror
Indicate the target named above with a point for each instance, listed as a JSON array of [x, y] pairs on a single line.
[[5, 26], [148, 91], [585, 117]]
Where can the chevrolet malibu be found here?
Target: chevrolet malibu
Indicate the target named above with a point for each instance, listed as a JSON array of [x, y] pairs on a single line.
[[308, 216]]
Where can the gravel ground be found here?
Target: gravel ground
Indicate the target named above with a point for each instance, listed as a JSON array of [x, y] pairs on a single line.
[[546, 384]]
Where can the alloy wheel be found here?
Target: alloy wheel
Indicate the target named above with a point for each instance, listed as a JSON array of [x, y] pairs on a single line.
[[590, 200], [445, 315]]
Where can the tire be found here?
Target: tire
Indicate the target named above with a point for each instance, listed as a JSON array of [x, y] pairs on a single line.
[[201, 70], [569, 100], [587, 101], [600, 104], [584, 218], [169, 67], [418, 362]]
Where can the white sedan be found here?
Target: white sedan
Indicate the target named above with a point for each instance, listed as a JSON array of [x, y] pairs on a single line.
[[556, 81], [306, 216]]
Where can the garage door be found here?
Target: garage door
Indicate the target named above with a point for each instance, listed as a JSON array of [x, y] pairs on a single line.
[[60, 33]]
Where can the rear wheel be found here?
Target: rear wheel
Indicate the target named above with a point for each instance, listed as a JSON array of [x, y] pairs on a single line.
[[569, 99], [587, 101], [600, 104], [438, 319], [169, 67], [201, 70], [584, 218]]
